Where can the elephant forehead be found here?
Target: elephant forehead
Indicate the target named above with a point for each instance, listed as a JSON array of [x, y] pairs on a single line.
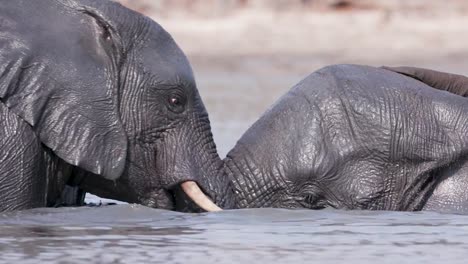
[[165, 61]]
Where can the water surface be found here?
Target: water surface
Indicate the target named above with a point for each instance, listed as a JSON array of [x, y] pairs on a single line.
[[136, 234]]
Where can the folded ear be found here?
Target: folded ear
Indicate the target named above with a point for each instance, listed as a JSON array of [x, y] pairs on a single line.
[[453, 83], [60, 75]]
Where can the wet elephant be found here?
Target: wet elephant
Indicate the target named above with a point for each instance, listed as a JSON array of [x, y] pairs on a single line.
[[352, 137], [95, 95]]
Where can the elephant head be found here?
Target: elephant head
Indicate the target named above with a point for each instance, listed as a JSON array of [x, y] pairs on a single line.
[[108, 91]]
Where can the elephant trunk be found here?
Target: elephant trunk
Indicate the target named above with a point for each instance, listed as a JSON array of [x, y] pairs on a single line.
[[208, 185], [189, 165], [216, 183]]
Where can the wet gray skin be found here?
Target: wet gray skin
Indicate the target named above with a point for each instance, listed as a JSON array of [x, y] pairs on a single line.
[[95, 95], [98, 96], [352, 137]]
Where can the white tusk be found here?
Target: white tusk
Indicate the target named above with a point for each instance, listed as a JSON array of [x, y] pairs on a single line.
[[198, 197]]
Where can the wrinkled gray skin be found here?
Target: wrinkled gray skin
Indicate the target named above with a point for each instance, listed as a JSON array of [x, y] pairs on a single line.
[[454, 83], [353, 137], [95, 95]]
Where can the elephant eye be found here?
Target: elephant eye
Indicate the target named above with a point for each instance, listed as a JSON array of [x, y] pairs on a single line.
[[176, 103]]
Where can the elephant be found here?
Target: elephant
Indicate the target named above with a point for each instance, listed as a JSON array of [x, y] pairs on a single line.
[[453, 83], [97, 96], [351, 137]]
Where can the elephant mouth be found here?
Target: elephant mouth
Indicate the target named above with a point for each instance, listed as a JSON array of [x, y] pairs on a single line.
[[193, 191], [186, 196]]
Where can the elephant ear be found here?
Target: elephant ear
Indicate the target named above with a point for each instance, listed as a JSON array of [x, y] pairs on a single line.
[[453, 83], [59, 75]]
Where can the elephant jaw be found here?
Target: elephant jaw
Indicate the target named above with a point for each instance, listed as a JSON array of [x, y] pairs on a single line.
[[194, 192]]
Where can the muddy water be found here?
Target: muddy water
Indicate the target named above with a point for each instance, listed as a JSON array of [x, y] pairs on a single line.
[[236, 91], [135, 234]]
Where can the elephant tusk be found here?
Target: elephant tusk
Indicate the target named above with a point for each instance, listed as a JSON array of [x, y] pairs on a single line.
[[198, 197]]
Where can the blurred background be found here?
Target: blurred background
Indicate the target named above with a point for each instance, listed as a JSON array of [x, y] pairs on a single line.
[[246, 53]]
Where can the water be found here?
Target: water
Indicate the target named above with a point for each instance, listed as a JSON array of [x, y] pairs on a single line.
[[136, 234]]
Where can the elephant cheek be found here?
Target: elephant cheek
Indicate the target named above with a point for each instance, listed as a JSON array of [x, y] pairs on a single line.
[[142, 177], [175, 165]]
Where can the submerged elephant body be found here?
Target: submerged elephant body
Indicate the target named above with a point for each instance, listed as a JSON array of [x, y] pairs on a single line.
[[95, 95], [354, 137]]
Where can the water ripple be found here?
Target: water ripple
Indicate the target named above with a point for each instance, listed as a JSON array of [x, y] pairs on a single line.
[[136, 234]]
